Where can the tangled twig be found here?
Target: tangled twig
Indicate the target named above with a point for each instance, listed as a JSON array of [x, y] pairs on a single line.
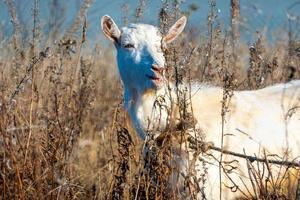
[[26, 77], [210, 146]]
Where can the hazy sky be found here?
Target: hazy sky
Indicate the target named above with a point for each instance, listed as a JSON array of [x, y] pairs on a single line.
[[256, 13]]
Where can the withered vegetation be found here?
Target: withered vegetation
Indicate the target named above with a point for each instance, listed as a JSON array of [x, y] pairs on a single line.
[[64, 133]]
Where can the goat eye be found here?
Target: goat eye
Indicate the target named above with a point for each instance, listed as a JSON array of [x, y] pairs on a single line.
[[129, 46]]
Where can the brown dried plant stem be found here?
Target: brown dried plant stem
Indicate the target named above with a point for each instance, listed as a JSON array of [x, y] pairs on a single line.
[[26, 77], [298, 187], [223, 114], [16, 24], [206, 146], [226, 96], [32, 96], [235, 15], [30, 113], [209, 47], [77, 69]]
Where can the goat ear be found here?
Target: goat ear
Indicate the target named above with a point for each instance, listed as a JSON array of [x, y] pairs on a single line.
[[175, 30], [110, 29]]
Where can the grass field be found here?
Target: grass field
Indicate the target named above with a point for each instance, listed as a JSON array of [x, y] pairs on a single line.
[[63, 130]]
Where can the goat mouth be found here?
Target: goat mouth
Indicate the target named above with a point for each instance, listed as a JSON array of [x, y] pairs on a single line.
[[153, 77], [157, 80]]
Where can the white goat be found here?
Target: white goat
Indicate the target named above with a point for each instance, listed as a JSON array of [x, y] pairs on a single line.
[[265, 121]]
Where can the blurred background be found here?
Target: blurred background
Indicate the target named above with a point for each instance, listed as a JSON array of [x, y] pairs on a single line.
[[256, 15]]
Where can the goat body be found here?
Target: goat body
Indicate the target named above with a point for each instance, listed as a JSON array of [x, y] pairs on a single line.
[[260, 122]]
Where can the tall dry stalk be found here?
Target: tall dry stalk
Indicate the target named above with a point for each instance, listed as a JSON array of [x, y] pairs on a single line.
[[33, 97], [139, 11], [79, 19], [235, 18], [125, 13], [209, 48], [17, 38]]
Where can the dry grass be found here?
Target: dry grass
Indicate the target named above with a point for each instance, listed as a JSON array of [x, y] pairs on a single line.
[[64, 134]]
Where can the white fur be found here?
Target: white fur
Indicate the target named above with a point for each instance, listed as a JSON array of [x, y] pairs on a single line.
[[257, 121]]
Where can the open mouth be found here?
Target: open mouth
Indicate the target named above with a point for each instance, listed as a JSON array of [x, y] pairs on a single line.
[[153, 77], [156, 79]]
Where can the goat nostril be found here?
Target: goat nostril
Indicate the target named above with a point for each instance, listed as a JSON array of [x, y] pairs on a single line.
[[157, 68]]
